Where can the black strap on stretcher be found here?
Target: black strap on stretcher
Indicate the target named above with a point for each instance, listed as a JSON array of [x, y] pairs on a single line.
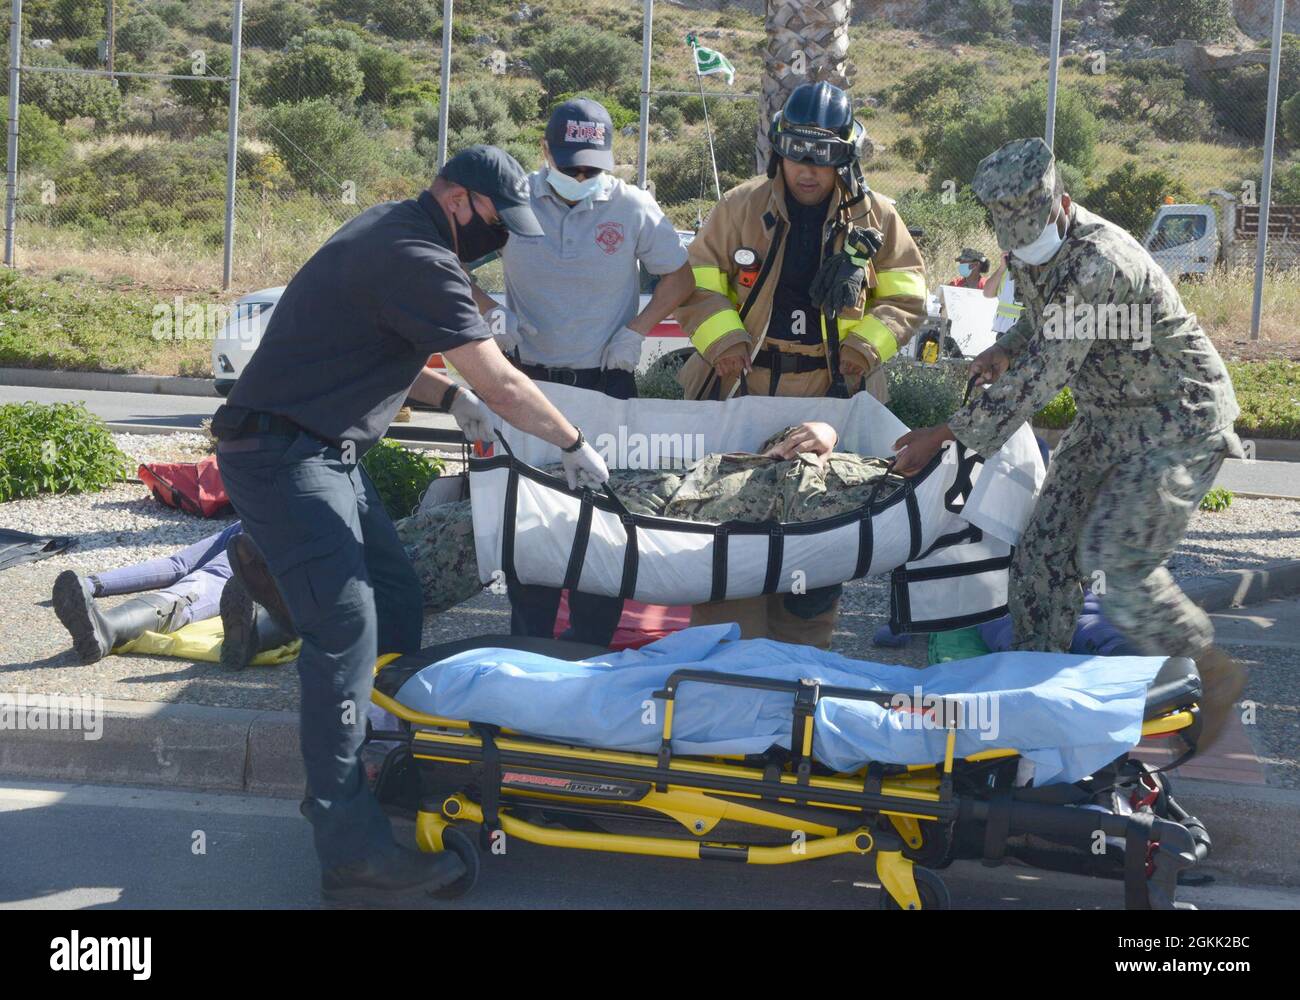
[[775, 531], [490, 793]]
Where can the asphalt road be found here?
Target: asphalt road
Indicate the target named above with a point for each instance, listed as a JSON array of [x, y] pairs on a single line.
[[155, 409], [80, 846]]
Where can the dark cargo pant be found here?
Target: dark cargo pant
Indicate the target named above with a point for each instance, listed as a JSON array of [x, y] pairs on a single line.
[[352, 594]]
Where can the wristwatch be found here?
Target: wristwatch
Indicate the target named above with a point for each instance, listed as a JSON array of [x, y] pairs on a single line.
[[576, 444], [448, 398]]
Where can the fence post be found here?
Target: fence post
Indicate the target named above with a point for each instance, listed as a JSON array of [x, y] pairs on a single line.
[[1270, 135], [232, 146], [444, 88], [11, 168], [643, 136], [1053, 71]]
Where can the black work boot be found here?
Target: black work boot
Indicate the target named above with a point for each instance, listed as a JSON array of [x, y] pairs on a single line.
[[95, 630], [247, 628], [248, 566], [398, 877]]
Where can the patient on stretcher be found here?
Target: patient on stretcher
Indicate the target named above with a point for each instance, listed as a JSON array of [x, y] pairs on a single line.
[[761, 486]]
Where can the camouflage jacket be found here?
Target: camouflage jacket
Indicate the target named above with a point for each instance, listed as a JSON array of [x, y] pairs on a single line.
[[440, 541], [1103, 318]]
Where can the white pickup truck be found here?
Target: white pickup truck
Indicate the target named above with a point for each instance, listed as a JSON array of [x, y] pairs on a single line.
[[1194, 239], [239, 335]]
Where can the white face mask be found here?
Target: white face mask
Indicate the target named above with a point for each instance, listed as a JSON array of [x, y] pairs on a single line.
[[1044, 248], [571, 189]]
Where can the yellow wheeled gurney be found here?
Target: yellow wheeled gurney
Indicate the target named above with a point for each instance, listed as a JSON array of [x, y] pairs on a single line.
[[466, 784]]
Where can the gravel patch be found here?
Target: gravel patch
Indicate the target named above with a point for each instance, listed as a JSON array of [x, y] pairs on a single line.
[[1249, 534]]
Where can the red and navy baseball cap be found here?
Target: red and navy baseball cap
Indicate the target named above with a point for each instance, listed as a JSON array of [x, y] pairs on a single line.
[[495, 173], [581, 134]]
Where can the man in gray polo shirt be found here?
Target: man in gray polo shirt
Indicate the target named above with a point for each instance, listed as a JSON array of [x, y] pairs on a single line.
[[574, 311]]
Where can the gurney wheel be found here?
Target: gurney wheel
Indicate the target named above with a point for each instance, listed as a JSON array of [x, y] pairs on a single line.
[[929, 886], [457, 840]]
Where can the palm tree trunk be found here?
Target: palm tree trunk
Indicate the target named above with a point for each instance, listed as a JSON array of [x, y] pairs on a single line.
[[807, 41]]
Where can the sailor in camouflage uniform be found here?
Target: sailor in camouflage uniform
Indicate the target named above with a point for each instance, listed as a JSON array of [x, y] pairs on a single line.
[[1154, 424]]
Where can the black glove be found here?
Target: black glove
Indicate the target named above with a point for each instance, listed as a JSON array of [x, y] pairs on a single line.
[[838, 284]]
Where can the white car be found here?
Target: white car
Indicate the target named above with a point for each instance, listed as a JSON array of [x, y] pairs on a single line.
[[239, 336]]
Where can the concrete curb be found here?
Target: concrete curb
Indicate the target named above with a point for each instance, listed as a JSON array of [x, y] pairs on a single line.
[[170, 385], [1238, 587], [171, 745]]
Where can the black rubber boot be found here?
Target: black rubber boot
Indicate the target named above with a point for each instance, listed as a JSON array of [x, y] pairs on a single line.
[[249, 567], [96, 631], [400, 876], [247, 628]]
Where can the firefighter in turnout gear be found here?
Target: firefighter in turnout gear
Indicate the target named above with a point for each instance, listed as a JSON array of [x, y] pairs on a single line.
[[807, 282]]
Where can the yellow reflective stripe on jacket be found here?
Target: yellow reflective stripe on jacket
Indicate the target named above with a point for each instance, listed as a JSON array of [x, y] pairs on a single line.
[[899, 283], [716, 326], [1010, 310], [877, 335], [711, 279]]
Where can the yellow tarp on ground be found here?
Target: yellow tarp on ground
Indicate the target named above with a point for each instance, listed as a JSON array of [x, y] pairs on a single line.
[[202, 641]]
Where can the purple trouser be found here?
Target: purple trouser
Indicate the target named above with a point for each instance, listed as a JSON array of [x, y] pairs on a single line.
[[194, 576]]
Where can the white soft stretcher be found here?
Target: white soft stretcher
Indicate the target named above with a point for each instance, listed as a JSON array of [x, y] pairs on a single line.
[[945, 535]]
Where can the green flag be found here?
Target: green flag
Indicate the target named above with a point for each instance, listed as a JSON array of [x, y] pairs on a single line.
[[710, 61]]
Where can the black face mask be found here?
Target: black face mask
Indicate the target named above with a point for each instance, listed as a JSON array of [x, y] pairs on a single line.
[[478, 238]]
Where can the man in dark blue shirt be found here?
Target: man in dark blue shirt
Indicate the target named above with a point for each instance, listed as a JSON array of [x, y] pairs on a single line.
[[346, 344]]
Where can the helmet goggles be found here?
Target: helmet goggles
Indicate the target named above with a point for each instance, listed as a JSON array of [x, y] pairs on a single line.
[[812, 145]]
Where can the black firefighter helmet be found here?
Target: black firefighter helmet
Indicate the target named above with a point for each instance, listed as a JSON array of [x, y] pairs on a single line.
[[817, 126]]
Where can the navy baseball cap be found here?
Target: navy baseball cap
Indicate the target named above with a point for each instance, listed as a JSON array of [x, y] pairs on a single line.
[[496, 174], [581, 134]]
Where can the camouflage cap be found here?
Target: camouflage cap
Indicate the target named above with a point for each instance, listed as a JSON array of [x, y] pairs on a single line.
[[1019, 183]]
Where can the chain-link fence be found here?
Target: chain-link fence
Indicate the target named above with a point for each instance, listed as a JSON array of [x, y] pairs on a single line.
[[123, 119]]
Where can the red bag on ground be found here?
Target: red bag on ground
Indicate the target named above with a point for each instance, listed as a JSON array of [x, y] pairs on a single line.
[[640, 624], [194, 487]]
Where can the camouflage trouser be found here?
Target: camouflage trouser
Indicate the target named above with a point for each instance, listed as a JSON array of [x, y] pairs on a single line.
[[1122, 516]]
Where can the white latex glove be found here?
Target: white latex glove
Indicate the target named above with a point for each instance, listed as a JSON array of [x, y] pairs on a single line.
[[623, 352], [472, 416], [504, 324], [584, 468]]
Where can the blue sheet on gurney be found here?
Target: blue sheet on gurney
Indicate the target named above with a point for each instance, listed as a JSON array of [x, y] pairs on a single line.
[[1067, 714]]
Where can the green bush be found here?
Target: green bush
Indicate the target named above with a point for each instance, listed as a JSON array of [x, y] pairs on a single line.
[[1269, 396], [953, 148], [400, 476], [275, 23], [1291, 119], [1286, 183], [206, 97], [314, 71], [1058, 414], [40, 139], [1130, 197], [659, 380], [63, 18], [346, 37], [924, 395], [478, 112], [910, 95], [408, 19], [65, 95], [987, 18], [142, 34], [156, 188], [1218, 499], [1166, 21], [175, 14], [383, 73], [1038, 17], [1152, 93], [322, 146], [572, 57], [55, 448], [1240, 96]]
